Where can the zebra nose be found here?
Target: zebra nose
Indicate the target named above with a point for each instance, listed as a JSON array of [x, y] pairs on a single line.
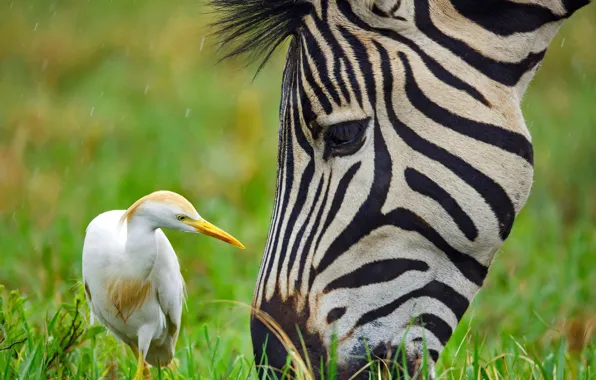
[[389, 361]]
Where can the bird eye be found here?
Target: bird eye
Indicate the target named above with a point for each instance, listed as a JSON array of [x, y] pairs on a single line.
[[181, 217]]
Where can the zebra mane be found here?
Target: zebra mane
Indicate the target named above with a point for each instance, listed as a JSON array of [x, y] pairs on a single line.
[[257, 27]]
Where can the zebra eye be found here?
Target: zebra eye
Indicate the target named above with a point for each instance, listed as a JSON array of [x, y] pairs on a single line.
[[345, 138]]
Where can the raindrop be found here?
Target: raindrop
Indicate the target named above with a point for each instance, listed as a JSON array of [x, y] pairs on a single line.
[[563, 42], [187, 112], [101, 95], [146, 89], [202, 42], [44, 65], [35, 29], [92, 109]]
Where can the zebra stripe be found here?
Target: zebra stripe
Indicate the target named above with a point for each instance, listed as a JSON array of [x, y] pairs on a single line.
[[403, 161]]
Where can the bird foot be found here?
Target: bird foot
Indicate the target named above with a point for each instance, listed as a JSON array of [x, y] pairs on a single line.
[[174, 364], [143, 372]]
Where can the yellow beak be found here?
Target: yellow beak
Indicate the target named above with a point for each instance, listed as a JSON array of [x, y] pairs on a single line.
[[204, 227]]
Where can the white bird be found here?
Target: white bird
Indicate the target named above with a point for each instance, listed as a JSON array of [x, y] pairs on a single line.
[[131, 273]]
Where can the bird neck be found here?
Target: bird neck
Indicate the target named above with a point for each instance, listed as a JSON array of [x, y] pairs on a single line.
[[141, 242]]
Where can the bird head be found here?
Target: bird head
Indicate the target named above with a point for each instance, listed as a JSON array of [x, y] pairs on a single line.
[[166, 209]]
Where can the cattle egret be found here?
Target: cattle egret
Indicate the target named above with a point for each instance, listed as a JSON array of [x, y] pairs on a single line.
[[132, 276]]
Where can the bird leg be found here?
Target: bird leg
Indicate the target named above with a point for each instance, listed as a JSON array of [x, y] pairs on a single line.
[[140, 367], [145, 334], [143, 372]]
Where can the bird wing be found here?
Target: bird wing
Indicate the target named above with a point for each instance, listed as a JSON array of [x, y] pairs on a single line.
[[170, 285], [101, 244], [102, 247]]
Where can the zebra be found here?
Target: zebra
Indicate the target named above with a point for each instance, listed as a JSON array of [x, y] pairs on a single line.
[[403, 160]]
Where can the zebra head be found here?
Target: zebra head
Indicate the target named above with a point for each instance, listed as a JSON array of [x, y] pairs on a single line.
[[403, 162]]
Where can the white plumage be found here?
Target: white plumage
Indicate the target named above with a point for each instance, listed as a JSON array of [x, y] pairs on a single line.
[[132, 276]]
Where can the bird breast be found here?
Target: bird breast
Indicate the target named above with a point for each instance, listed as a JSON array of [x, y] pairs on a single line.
[[128, 295]]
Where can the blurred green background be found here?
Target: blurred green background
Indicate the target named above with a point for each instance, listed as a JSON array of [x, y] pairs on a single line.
[[102, 102]]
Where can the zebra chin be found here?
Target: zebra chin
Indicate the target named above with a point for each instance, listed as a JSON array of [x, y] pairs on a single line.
[[391, 352], [391, 361]]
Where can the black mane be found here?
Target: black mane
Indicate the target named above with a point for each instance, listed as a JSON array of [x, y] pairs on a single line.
[[257, 27]]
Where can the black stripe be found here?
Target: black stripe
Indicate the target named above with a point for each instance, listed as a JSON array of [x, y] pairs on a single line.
[[509, 141], [338, 200], [507, 73], [505, 18], [311, 276], [493, 193], [305, 105], [279, 177], [434, 289], [375, 273], [276, 209], [467, 265], [335, 314], [381, 13], [437, 326], [368, 217], [336, 47], [318, 57], [435, 67], [361, 55], [434, 354], [300, 234], [394, 9], [426, 186], [317, 91], [574, 5], [287, 173], [338, 54], [339, 64], [378, 11], [353, 82], [324, 9], [305, 182], [310, 238]]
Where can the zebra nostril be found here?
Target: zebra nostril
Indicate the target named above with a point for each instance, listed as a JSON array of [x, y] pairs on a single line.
[[335, 314]]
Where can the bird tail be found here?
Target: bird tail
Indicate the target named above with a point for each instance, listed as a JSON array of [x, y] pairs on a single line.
[[160, 354]]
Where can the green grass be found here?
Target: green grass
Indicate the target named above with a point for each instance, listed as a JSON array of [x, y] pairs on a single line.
[[103, 102]]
